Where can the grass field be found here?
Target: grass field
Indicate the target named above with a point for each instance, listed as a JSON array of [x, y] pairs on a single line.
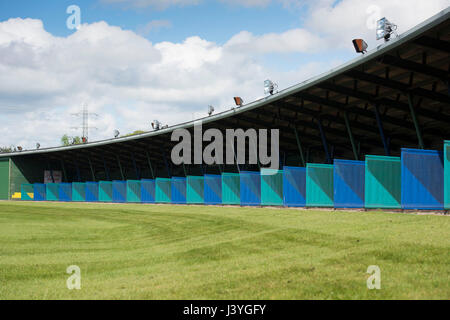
[[185, 252]]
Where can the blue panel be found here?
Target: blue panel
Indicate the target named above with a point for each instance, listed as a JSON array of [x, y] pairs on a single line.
[[178, 190], [65, 192], [148, 191], [92, 191], [213, 189], [119, 191], [422, 179], [39, 192], [349, 183], [250, 188], [294, 186]]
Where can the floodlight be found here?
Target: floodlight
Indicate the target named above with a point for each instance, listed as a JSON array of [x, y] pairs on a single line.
[[239, 102], [84, 140], [19, 148], [116, 133], [269, 87], [38, 145], [384, 29], [156, 125], [360, 45], [210, 110]]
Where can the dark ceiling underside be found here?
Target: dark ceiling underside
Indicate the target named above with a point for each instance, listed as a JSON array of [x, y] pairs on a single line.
[[398, 100]]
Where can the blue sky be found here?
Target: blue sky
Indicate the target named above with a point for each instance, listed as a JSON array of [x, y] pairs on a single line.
[[134, 61]]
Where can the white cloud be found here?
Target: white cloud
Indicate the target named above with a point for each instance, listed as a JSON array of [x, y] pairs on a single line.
[[130, 81], [160, 4]]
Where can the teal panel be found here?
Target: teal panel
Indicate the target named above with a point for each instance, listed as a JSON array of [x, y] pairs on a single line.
[[231, 189], [447, 175], [163, 193], [319, 185], [105, 191], [78, 192], [27, 192], [52, 191], [195, 190], [383, 182], [271, 187], [134, 191]]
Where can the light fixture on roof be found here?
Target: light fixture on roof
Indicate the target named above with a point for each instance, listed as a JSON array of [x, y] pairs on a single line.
[[19, 148], [269, 87], [360, 45], [116, 133], [156, 125], [210, 110], [84, 139], [385, 29], [239, 102], [38, 145]]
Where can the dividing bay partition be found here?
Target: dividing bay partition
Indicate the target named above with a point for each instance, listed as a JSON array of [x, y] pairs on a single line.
[[422, 179], [349, 181], [231, 189], [52, 191], [250, 188], [134, 191], [26, 192], [78, 192], [65, 192], [163, 193], [447, 175], [179, 190], [294, 186], [213, 189], [271, 187], [39, 191], [91, 191], [319, 185], [105, 191], [195, 190], [383, 182], [119, 191], [148, 190]]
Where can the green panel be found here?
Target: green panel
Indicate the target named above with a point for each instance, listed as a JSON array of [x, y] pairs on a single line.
[[271, 187], [319, 185], [447, 175], [4, 179], [195, 190], [27, 192], [231, 189], [383, 182], [105, 191], [163, 191], [25, 171], [133, 191]]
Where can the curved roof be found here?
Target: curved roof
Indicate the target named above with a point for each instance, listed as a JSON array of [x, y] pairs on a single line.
[[396, 95]]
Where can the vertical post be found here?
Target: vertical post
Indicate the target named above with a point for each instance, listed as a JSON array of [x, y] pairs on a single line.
[[300, 149], [324, 140], [78, 170], [64, 171], [415, 121], [120, 167], [106, 169], [150, 164], [135, 166], [92, 169], [166, 163], [350, 135], [380, 127]]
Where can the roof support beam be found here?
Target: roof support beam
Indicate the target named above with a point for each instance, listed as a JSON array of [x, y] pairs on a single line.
[[150, 164], [63, 167], [136, 170], [416, 67], [92, 168], [106, 169], [433, 43], [120, 167], [415, 121]]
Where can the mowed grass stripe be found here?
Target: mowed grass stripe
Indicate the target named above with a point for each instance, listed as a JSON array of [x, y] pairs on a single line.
[[195, 252]]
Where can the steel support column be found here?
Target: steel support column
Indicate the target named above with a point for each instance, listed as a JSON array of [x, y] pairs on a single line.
[[415, 121], [120, 167], [136, 170], [166, 163], [324, 141], [63, 167], [150, 164], [380, 127], [300, 149], [92, 169], [350, 135], [106, 169]]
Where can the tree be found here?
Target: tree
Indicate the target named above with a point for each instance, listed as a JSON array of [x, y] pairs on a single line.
[[134, 133], [68, 141], [6, 149]]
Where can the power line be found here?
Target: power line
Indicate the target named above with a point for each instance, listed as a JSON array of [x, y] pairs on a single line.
[[85, 114]]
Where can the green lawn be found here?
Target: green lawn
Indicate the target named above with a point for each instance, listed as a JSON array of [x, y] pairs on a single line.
[[183, 252]]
